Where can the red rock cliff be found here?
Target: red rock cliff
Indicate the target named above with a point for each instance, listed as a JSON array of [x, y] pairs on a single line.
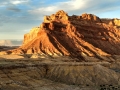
[[77, 36]]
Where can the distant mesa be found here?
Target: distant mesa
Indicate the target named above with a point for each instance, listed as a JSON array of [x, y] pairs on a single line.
[[77, 36], [10, 42], [5, 43]]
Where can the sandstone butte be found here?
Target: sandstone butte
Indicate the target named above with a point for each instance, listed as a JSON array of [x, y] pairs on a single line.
[[75, 36]]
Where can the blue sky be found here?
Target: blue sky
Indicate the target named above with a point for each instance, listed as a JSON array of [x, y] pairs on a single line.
[[18, 17]]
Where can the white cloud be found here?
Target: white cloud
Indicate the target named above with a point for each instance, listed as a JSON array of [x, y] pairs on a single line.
[[15, 2], [68, 6], [78, 7]]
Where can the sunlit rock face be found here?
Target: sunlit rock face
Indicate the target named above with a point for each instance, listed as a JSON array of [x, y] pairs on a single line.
[[112, 22], [76, 36]]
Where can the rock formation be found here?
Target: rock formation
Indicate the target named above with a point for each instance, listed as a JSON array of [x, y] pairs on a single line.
[[30, 36], [113, 22], [59, 42], [76, 36]]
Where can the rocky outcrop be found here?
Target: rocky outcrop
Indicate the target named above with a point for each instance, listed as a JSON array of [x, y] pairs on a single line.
[[90, 17], [76, 36], [112, 22], [30, 36], [117, 22], [60, 16]]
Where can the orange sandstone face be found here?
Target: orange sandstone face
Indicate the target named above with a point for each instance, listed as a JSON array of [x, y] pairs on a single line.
[[76, 36]]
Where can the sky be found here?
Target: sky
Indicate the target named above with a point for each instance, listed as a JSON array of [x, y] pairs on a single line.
[[18, 17]]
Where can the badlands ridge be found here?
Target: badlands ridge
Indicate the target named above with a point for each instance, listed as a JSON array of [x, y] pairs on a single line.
[[75, 36]]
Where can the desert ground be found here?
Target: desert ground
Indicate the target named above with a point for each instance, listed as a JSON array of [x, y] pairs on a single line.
[[26, 72]]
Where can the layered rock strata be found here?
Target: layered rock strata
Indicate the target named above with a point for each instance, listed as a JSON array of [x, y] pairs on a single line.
[[77, 36]]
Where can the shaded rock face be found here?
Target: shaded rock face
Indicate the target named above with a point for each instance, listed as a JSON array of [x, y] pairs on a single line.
[[95, 75], [77, 36]]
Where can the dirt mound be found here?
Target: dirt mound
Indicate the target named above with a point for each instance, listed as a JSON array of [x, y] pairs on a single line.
[[76, 36]]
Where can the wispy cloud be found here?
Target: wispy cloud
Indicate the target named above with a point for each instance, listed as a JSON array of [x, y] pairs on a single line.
[[13, 8], [79, 6], [16, 2]]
